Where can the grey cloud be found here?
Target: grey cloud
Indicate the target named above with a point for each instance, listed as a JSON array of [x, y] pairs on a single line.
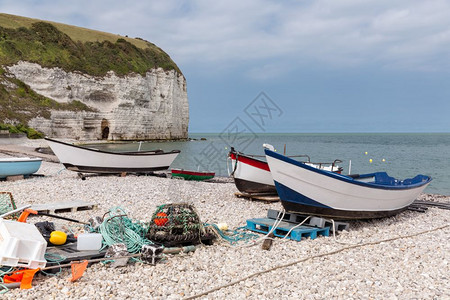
[[401, 34]]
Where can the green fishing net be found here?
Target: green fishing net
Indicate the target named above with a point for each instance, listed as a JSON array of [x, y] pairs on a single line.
[[6, 202]]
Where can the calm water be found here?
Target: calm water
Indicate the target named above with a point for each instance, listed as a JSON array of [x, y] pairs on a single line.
[[400, 155]]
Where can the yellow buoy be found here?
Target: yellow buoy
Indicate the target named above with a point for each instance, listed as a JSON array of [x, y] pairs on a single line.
[[58, 238], [370, 160], [365, 153], [383, 160]]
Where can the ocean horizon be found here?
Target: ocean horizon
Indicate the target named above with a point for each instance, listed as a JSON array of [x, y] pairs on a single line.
[[401, 155]]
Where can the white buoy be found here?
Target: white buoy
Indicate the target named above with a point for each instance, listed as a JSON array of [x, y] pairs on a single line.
[[222, 226]]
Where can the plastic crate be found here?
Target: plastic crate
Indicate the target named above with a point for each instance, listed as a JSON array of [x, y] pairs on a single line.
[[21, 245]]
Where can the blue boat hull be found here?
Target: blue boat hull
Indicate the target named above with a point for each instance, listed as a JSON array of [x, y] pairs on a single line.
[[19, 166]]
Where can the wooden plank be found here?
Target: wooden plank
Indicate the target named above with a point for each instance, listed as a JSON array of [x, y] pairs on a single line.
[[61, 207], [14, 177], [258, 196]]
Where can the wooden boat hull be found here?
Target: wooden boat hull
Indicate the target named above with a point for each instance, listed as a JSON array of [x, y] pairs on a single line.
[[192, 175], [251, 175], [251, 187], [87, 160], [19, 166], [307, 190]]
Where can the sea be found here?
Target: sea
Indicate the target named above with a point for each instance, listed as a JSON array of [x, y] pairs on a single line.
[[401, 155]]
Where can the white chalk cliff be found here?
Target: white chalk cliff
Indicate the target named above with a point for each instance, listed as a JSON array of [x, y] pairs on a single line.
[[132, 107]]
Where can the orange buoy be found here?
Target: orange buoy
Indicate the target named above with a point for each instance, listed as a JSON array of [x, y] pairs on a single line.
[[161, 219]]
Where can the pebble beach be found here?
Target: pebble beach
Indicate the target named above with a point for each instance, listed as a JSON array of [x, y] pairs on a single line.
[[402, 257]]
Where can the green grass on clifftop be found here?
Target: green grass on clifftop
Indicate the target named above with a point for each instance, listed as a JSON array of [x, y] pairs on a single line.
[[70, 48], [76, 49]]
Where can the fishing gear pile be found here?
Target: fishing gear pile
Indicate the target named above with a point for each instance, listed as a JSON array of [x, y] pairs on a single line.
[[178, 223], [117, 227]]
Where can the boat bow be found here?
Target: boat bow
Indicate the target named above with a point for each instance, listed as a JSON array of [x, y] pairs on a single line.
[[306, 189]]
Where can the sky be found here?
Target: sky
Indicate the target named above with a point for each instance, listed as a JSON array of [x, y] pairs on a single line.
[[289, 66]]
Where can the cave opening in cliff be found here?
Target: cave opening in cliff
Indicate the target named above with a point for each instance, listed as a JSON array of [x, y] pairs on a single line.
[[105, 129]]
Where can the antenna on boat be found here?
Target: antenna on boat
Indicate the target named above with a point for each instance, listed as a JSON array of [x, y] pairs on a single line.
[[284, 149], [349, 167], [140, 144]]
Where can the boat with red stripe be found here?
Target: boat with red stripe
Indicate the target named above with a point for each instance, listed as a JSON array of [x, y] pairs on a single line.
[[251, 173]]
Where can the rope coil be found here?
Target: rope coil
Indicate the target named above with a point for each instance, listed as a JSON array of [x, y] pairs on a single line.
[[118, 228]]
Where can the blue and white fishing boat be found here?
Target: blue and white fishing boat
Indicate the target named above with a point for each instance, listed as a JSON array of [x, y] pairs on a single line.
[[307, 190], [13, 166], [252, 175]]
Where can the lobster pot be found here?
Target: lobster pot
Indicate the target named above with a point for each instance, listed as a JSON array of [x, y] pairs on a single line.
[[177, 223]]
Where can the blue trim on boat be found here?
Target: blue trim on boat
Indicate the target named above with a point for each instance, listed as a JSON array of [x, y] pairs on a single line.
[[382, 179], [287, 194]]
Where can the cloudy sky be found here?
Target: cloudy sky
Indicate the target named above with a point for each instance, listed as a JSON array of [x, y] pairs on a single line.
[[322, 66]]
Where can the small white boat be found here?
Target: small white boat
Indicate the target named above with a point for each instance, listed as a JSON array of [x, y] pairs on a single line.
[[88, 160], [13, 166], [306, 190], [252, 175]]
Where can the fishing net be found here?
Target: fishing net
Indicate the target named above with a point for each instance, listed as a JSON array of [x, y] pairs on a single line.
[[177, 223], [7, 203], [117, 227]]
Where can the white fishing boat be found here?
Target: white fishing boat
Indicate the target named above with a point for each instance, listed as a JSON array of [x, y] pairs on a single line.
[[13, 166], [307, 190], [89, 160], [252, 175]]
